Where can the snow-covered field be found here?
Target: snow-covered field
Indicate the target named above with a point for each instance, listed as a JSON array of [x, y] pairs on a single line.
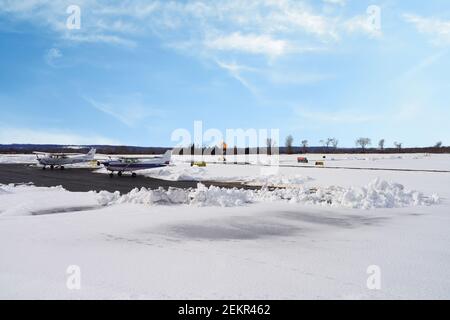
[[314, 239]]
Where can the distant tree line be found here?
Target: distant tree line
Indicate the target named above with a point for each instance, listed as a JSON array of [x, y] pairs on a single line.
[[328, 145], [103, 149]]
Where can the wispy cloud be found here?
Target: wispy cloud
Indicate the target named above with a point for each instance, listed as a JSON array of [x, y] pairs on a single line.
[[99, 38], [423, 64], [362, 24], [52, 15], [437, 29], [235, 71], [128, 110], [336, 2], [217, 31], [265, 27], [251, 43]]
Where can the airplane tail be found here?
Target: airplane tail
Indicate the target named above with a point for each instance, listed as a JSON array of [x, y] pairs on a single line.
[[167, 156], [91, 153]]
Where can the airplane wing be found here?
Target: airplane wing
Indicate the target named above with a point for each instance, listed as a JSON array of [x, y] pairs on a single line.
[[56, 154], [137, 158]]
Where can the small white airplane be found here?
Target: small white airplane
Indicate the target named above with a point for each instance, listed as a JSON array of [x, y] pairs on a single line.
[[54, 160], [134, 164]]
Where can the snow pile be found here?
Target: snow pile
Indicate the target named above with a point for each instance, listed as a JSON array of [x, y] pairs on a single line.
[[27, 199], [144, 196], [180, 173], [26, 187], [9, 188], [200, 196], [215, 196], [377, 194], [382, 194], [6, 188], [3, 191]]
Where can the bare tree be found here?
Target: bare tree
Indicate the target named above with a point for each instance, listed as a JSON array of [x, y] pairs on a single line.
[[334, 142], [398, 145], [327, 142], [381, 144], [304, 145], [289, 142], [438, 144], [363, 143]]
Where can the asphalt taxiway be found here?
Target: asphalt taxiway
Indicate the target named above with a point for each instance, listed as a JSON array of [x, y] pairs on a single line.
[[77, 179]]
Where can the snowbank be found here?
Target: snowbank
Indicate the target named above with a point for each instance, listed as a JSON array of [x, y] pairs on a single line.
[[144, 196], [25, 199], [377, 194], [26, 187], [200, 196], [215, 196]]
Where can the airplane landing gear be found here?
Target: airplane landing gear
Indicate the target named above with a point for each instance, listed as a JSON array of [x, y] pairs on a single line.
[[111, 174], [133, 174], [52, 167], [119, 173], [62, 167]]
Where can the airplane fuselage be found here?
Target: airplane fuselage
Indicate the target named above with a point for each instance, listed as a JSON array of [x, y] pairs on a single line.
[[135, 164], [130, 167], [59, 161]]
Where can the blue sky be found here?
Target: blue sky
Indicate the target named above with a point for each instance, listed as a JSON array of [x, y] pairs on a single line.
[[137, 70]]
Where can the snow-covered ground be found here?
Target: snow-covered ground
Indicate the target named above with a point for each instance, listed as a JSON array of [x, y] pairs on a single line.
[[314, 239], [17, 158], [292, 174], [418, 161]]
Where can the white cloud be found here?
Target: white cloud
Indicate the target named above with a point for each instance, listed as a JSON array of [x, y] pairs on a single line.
[[336, 2], [254, 44], [262, 22], [23, 135], [438, 29], [100, 38], [362, 24], [52, 15], [270, 76], [211, 30], [235, 71], [296, 17]]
